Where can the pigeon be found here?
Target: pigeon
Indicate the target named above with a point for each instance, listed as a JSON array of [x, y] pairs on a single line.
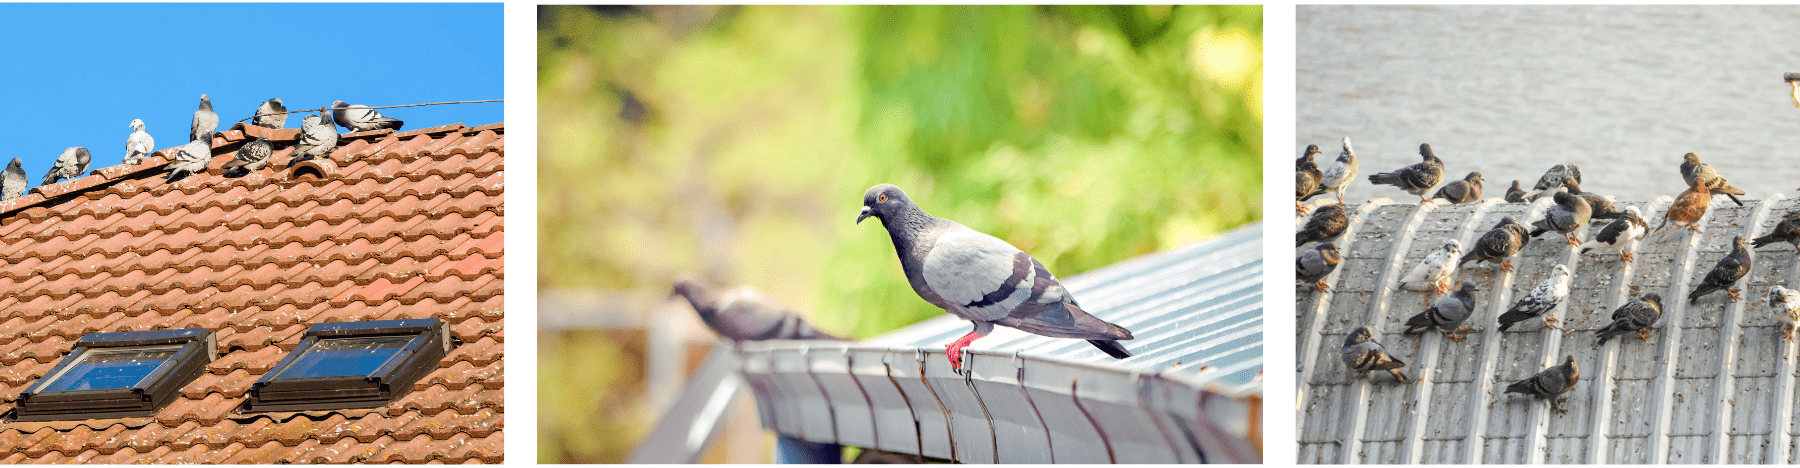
[[1734, 266], [252, 157], [1540, 301], [1687, 209], [1552, 179], [12, 181], [205, 121], [70, 164], [745, 314], [1620, 233], [189, 158], [1417, 179], [1549, 383], [139, 145], [360, 118], [1337, 177], [1788, 230], [1306, 178], [1692, 168], [1602, 208], [1515, 194], [318, 138], [981, 278], [1436, 267], [1327, 223], [270, 114], [1363, 354], [1637, 315], [1499, 243], [1315, 264], [1786, 303], [1570, 214], [1447, 314], [1467, 190]]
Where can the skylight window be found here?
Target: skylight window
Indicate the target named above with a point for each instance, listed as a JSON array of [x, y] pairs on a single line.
[[122, 374], [352, 365]]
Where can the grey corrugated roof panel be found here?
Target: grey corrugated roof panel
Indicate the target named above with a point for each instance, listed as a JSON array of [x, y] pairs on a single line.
[[1713, 384]]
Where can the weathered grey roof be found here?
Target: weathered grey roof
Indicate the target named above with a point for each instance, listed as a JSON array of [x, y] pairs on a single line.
[[1716, 387], [1190, 393]]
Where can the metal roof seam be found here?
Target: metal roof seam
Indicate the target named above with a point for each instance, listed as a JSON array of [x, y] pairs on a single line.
[[1500, 299], [1728, 337], [1074, 387], [1321, 309], [1782, 449], [1385, 284], [1660, 414], [1429, 341]]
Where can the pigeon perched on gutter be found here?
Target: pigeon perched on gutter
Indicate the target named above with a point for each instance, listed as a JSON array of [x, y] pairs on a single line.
[[1638, 314], [189, 158], [360, 118], [1569, 214], [1620, 233], [1447, 313], [1338, 176], [1540, 301], [981, 278], [1516, 193], [1436, 267], [1600, 207], [1306, 178], [1692, 168], [318, 138], [270, 114], [1363, 354], [253, 156], [1315, 264], [1786, 303], [139, 145], [205, 121], [1417, 179], [1787, 230], [1686, 210], [1467, 190], [1499, 243], [12, 181], [1327, 223], [1553, 178], [1550, 383], [70, 164], [744, 314], [1731, 268]]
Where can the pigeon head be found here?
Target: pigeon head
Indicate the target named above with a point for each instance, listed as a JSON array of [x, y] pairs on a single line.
[[1633, 211], [1573, 186], [1563, 197], [1508, 221], [137, 124], [339, 104], [1360, 334], [1699, 185], [1691, 158], [205, 102], [882, 201], [1569, 361], [1425, 152], [1737, 243], [1468, 288], [1347, 150], [1653, 298], [1329, 250], [1562, 271], [1311, 150], [1473, 177], [276, 103], [15, 164], [1451, 246]]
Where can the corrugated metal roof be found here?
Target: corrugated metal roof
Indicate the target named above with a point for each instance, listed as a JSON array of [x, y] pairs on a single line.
[[1718, 387], [1191, 392]]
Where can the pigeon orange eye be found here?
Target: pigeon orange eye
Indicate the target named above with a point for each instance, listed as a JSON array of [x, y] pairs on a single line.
[[881, 198]]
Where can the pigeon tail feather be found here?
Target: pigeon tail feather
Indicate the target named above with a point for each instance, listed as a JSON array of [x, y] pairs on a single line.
[[1112, 348]]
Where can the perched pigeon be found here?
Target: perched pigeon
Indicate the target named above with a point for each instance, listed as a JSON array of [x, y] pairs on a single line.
[[1326, 223], [1515, 194], [1363, 354], [252, 157], [981, 278], [1687, 209], [318, 138], [1499, 243], [1620, 233], [1436, 267], [1570, 214], [205, 121], [744, 314], [1417, 179], [1337, 177], [359, 117], [1601, 207], [12, 181], [139, 145], [1734, 266], [1467, 190], [1549, 383], [1786, 303], [1306, 178], [1540, 301], [1788, 230], [1552, 179], [1315, 264], [1637, 314], [271, 114], [189, 158], [1447, 314], [1692, 168], [70, 164]]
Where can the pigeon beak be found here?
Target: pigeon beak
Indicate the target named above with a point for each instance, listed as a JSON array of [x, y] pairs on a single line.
[[866, 212]]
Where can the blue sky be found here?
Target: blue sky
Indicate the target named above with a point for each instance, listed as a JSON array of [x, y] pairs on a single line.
[[77, 74]]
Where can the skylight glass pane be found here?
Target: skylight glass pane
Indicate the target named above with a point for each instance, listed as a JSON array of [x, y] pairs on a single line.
[[334, 357], [103, 368]]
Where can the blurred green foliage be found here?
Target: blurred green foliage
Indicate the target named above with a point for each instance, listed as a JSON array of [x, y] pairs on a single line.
[[738, 141]]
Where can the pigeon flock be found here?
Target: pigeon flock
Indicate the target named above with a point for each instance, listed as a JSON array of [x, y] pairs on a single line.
[[1616, 228], [318, 137]]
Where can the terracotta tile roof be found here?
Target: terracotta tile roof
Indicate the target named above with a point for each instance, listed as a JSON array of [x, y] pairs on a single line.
[[393, 226]]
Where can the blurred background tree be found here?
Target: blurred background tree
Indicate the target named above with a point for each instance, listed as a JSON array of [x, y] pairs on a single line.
[[737, 142]]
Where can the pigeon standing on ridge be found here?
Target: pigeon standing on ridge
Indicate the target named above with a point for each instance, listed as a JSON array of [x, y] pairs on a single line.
[[1786, 303], [1515, 194], [1686, 210], [1731, 268], [12, 181], [1447, 313], [70, 164], [139, 145], [270, 114], [981, 278], [1467, 190], [318, 138], [1363, 354], [1315, 264], [1337, 177], [745, 314], [1306, 178], [205, 121], [252, 157], [189, 158], [1638, 314], [1692, 168], [1540, 301], [1550, 383], [1620, 233], [1436, 267], [1553, 178], [1327, 223], [359, 118], [1569, 215], [1499, 243], [1600, 206], [1417, 179], [1787, 230]]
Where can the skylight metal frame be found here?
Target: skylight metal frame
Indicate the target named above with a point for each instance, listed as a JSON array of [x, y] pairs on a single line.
[[198, 346], [428, 343]]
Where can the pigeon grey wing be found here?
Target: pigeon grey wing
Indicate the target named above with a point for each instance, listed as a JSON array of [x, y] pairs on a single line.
[[1313, 266], [12, 180], [205, 121], [1326, 223], [337, 115], [981, 275], [82, 158], [1553, 178], [1613, 231]]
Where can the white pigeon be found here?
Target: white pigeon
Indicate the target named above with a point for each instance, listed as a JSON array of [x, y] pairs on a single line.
[[139, 144], [1337, 177], [318, 138], [271, 114], [357, 117], [1786, 303], [189, 158], [1436, 267], [1540, 301]]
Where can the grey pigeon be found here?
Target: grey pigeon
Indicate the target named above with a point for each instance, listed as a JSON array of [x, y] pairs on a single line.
[[1436, 267], [1734, 266], [1499, 243], [1467, 190], [252, 157], [1620, 233], [1786, 303], [1787, 230], [1447, 313], [744, 314], [205, 121], [1306, 178], [981, 278], [189, 158], [1600, 207], [1550, 383], [1553, 178], [1326, 223], [139, 145], [1337, 177], [1363, 354], [1417, 179], [1691, 167], [318, 138], [1636, 315], [270, 114], [1568, 215], [1540, 301], [1515, 194], [12, 181], [1315, 264], [359, 118], [70, 164]]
